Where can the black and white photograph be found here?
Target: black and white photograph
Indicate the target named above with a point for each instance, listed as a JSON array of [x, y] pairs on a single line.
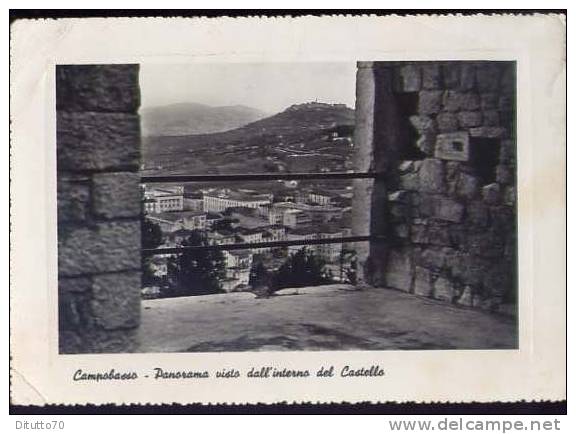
[[287, 206], [298, 210]]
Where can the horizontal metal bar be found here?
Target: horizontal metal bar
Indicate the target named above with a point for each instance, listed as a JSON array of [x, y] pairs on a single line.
[[245, 246], [151, 179]]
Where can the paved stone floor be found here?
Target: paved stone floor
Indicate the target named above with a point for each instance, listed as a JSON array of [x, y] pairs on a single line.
[[335, 317]]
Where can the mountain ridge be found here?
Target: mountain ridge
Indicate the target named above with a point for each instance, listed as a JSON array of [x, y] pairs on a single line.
[[304, 137], [179, 119]]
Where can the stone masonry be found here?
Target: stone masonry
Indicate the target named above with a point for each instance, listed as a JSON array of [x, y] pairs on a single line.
[[99, 207], [450, 219]]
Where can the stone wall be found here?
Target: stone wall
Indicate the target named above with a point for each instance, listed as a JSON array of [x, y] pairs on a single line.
[[99, 207], [449, 177]]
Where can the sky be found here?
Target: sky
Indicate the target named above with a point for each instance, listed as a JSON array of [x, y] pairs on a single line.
[[269, 87]]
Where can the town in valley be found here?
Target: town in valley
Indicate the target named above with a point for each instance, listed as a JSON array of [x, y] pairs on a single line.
[[262, 212]]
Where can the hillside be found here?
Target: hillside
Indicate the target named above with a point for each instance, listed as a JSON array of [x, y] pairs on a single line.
[[304, 137], [189, 118]]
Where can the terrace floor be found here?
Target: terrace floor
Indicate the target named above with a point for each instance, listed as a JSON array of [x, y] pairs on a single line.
[[332, 317]]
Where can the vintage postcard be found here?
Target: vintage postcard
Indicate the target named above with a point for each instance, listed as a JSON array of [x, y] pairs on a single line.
[[314, 209]]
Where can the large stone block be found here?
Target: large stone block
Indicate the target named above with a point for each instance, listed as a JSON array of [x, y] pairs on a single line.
[[467, 268], [426, 143], [402, 231], [74, 311], [447, 122], [508, 78], [488, 132], [426, 205], [410, 78], [477, 214], [491, 193], [409, 181], [454, 101], [435, 258], [98, 88], [467, 76], [491, 118], [430, 102], [431, 76], [105, 247], [453, 146], [504, 174], [499, 280], [469, 119], [506, 103], [431, 176], [486, 244], [443, 289], [451, 75], [458, 235], [75, 284], [97, 340], [503, 219], [399, 211], [73, 199], [467, 186], [98, 141], [422, 282], [447, 209], [419, 234], [489, 100], [488, 76], [426, 128], [399, 270], [116, 194], [439, 235], [116, 300], [423, 123], [510, 196], [507, 152]]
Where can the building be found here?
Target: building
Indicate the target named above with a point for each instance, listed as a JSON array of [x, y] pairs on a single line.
[[300, 234], [220, 238], [284, 213], [224, 199], [250, 235], [276, 232], [328, 252], [275, 214], [238, 265], [163, 199], [321, 198], [193, 202], [295, 217], [173, 221], [238, 258]]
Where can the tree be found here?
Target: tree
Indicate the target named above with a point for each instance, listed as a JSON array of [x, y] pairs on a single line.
[[301, 269], [195, 271], [151, 239], [151, 234], [259, 275]]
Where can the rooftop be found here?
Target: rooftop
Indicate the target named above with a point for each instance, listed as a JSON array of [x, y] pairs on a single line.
[[250, 231], [239, 195]]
